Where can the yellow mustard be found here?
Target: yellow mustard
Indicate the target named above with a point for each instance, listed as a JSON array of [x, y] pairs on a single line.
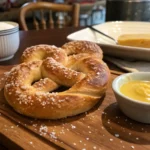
[[137, 90]]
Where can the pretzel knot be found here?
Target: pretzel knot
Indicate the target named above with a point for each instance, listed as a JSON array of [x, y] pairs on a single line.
[[54, 83]]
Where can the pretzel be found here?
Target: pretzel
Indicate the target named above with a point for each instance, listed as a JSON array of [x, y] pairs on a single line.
[[75, 70]]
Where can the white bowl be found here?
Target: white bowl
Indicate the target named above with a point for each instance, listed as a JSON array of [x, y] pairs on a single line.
[[136, 110], [9, 40]]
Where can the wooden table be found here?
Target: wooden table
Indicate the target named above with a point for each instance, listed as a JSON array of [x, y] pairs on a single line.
[[122, 134], [29, 38]]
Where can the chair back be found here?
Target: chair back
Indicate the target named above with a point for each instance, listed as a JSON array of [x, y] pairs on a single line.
[[49, 15]]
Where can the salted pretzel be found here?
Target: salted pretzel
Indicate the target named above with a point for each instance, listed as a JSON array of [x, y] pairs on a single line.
[[76, 67]]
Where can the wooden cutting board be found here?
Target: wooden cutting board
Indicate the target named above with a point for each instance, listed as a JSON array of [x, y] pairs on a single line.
[[103, 127]]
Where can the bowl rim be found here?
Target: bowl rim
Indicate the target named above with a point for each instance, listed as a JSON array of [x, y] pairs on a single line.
[[114, 84], [8, 33], [9, 30]]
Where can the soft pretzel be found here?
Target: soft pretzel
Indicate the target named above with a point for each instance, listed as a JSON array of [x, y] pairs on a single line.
[[77, 67]]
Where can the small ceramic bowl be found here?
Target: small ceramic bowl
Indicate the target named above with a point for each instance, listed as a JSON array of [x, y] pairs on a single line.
[[135, 109], [9, 39]]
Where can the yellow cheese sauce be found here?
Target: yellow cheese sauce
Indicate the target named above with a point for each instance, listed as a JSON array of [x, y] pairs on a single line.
[[137, 90]]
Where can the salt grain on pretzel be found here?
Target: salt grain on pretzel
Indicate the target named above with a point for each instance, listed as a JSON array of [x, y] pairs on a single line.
[[30, 87]]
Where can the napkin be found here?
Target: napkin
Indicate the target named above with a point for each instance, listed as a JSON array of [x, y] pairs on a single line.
[[129, 65]]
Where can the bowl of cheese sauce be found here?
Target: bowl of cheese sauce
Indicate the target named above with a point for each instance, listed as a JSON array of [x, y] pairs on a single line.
[[132, 92]]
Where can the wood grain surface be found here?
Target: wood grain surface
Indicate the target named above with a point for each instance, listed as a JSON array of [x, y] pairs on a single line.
[[104, 127]]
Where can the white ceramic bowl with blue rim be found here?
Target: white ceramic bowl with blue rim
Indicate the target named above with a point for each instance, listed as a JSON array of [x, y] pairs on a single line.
[[134, 109]]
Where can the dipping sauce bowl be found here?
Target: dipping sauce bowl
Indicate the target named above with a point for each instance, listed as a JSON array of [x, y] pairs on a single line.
[[134, 108]]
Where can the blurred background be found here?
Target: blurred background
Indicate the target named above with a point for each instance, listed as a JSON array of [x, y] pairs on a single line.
[[91, 11]]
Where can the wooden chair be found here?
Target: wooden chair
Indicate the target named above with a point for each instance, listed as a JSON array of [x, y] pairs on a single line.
[[65, 15]]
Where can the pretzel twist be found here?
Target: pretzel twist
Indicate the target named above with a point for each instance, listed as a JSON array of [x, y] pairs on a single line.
[[30, 87]]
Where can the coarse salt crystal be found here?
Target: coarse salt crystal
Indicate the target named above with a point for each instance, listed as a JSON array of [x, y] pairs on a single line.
[[132, 147], [31, 142], [43, 129], [73, 127], [53, 135], [80, 141], [137, 138], [87, 138], [117, 135]]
